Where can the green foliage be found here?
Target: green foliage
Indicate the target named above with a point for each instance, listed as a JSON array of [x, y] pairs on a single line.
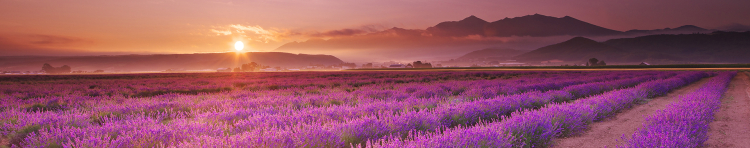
[[190, 92], [54, 70], [101, 116], [39, 107], [252, 66], [17, 137], [594, 62]]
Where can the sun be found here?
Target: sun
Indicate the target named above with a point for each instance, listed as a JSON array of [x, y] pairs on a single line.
[[238, 46]]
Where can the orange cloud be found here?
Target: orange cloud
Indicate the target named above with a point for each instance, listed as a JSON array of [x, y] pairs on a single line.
[[260, 34], [51, 40], [254, 33], [337, 33], [347, 32]]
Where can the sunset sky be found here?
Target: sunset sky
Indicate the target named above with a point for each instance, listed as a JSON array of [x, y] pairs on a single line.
[[77, 27]]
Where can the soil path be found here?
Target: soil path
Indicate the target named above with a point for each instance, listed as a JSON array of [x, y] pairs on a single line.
[[731, 125], [4, 142], [609, 132]]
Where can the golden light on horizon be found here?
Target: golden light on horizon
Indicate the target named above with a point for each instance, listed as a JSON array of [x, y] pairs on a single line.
[[238, 46]]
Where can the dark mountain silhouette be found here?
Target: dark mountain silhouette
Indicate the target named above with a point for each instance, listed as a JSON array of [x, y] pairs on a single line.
[[576, 49], [687, 29], [471, 25], [491, 53], [391, 44], [446, 39], [451, 38], [531, 25], [716, 47], [734, 27], [198, 61], [540, 26]]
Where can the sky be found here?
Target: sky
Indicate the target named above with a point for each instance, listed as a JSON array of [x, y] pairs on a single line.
[[95, 27]]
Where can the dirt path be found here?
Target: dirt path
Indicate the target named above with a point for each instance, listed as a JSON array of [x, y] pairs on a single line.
[[609, 133], [4, 142], [731, 125]]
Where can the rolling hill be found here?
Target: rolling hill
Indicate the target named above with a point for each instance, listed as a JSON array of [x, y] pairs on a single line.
[[450, 38], [491, 54], [716, 47]]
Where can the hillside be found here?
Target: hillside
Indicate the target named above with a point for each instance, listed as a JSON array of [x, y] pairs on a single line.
[[166, 61], [471, 25], [491, 53], [687, 29], [576, 49], [447, 39], [716, 47], [719, 47], [540, 26]]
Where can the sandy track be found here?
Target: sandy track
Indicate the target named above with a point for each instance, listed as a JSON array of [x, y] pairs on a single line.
[[731, 125], [609, 132], [4, 142]]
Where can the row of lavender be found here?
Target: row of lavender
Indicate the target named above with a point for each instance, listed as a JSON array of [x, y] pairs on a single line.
[[191, 126], [684, 123], [20, 120], [538, 127], [470, 113], [192, 129], [358, 130], [301, 97], [144, 85], [226, 109], [388, 106]]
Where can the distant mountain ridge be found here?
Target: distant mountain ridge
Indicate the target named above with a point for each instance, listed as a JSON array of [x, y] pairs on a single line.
[[678, 30], [491, 53], [451, 38], [716, 47], [161, 62], [540, 26], [735, 27], [471, 25]]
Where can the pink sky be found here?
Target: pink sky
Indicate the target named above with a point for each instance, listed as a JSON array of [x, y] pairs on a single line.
[[34, 27]]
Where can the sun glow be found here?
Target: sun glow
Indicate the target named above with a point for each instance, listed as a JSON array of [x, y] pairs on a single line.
[[238, 46]]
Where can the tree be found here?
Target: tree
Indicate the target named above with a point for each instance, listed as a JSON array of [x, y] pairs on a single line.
[[237, 69], [252, 66], [48, 68], [64, 69], [419, 64], [352, 65], [368, 65], [601, 63], [53, 70], [594, 61]]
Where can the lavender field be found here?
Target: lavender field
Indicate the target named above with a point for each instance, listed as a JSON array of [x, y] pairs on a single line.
[[350, 109]]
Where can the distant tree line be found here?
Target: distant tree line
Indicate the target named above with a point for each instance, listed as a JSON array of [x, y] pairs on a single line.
[[419, 64], [595, 62], [55, 70], [351, 65], [249, 67], [368, 65]]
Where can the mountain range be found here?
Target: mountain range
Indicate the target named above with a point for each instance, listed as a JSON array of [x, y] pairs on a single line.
[[716, 47], [491, 54], [532, 25], [161, 62], [450, 38]]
